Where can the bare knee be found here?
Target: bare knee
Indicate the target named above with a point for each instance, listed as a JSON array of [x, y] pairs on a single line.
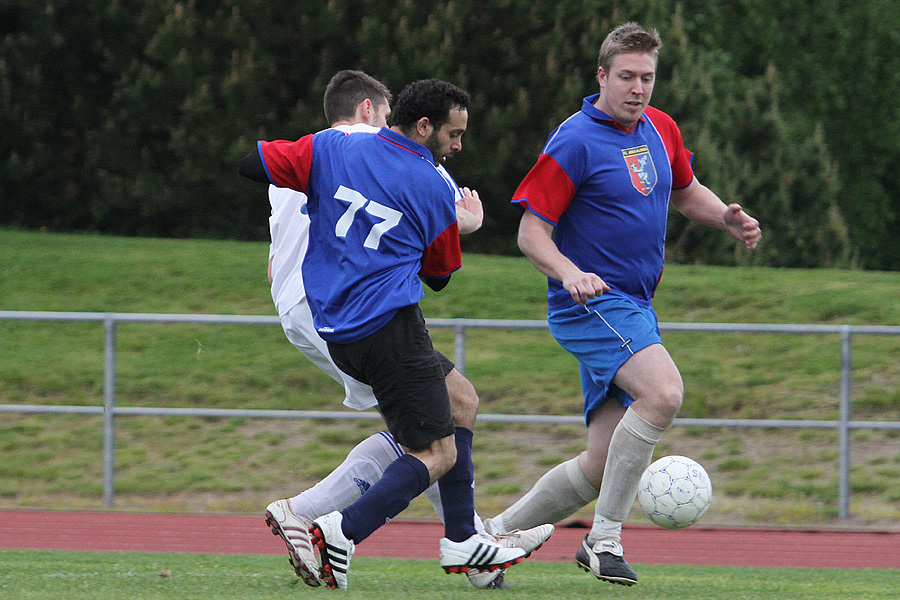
[[439, 456], [463, 399], [592, 465], [663, 405], [671, 400], [444, 457]]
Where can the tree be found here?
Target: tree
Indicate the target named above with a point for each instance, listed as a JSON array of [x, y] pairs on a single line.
[[130, 117], [750, 151]]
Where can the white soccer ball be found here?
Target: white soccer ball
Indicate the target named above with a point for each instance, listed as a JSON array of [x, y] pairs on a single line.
[[675, 492]]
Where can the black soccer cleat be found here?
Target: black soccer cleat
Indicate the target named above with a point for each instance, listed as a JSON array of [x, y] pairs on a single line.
[[606, 562]]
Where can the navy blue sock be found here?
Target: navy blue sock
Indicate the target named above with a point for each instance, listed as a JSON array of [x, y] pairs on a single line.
[[458, 491], [403, 480]]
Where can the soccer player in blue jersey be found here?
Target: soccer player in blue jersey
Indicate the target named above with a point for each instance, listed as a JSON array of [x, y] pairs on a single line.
[[594, 219], [355, 103], [382, 217]]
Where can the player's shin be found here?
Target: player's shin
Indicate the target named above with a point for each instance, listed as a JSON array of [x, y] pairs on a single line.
[[363, 466], [630, 452], [403, 480], [556, 495], [457, 491]]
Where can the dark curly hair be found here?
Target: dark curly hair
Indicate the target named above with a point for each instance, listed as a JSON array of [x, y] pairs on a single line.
[[430, 98]]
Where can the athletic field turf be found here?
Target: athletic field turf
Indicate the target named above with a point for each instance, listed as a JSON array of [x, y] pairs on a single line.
[[46, 574], [101, 555]]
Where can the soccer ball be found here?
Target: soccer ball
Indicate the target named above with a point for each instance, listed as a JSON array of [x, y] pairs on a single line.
[[675, 492]]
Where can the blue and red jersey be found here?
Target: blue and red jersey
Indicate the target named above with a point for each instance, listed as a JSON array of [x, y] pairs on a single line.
[[606, 191], [380, 214]]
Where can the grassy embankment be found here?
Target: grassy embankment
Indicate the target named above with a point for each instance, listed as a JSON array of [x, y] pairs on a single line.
[[784, 477]]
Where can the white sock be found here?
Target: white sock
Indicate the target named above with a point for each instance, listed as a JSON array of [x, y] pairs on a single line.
[[559, 493], [434, 496], [630, 452], [605, 530], [363, 466]]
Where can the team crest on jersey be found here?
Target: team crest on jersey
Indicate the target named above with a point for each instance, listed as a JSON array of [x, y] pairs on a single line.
[[640, 168]]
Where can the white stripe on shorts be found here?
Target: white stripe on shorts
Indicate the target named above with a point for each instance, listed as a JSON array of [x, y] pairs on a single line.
[[625, 343]]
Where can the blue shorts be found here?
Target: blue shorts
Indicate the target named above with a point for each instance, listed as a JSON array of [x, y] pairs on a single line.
[[602, 336]]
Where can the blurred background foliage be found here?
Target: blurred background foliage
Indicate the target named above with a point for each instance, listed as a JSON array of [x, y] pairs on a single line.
[[129, 117]]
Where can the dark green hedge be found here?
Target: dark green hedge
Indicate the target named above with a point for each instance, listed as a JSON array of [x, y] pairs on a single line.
[[129, 117]]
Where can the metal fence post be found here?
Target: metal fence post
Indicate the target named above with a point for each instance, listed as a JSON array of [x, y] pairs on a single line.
[[109, 406], [844, 427], [459, 348]]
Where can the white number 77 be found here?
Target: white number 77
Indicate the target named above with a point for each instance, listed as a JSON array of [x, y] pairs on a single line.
[[357, 201]]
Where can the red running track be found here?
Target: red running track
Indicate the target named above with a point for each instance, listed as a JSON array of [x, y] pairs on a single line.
[[402, 538]]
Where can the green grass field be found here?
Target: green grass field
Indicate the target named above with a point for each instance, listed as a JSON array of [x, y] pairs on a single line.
[[38, 575], [182, 464]]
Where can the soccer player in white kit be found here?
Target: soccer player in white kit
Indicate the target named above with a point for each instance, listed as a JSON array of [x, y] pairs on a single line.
[[358, 104]]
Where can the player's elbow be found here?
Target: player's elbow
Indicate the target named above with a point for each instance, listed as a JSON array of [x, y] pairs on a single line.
[[522, 241], [436, 283], [528, 241], [252, 167], [533, 231]]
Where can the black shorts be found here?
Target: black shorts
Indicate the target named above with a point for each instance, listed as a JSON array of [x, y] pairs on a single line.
[[407, 376]]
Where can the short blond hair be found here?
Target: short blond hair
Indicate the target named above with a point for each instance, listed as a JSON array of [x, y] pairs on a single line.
[[625, 39]]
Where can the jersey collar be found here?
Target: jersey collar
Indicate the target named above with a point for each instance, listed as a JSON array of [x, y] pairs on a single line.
[[401, 140], [588, 108]]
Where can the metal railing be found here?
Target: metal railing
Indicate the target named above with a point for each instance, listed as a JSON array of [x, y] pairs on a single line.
[[843, 424]]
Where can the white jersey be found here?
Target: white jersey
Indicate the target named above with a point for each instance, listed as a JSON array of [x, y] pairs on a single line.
[[289, 231]]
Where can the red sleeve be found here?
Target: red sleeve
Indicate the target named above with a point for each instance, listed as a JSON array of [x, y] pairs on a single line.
[[288, 163], [443, 255], [679, 156], [682, 172], [546, 190]]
